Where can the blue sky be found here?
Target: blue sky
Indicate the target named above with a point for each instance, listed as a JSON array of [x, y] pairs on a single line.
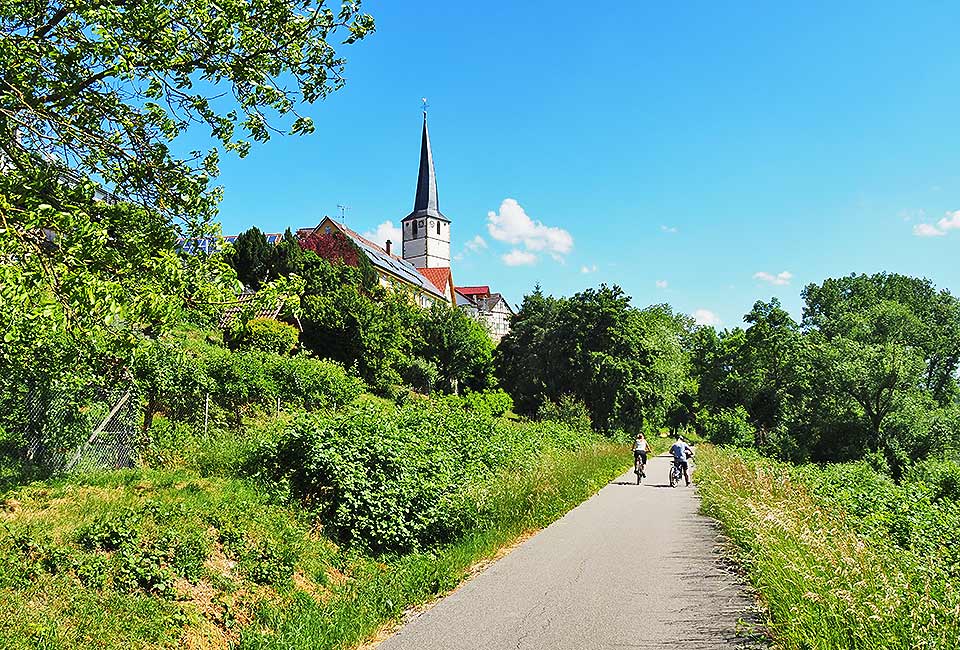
[[698, 153]]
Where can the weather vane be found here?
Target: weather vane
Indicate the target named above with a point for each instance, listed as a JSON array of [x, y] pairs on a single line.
[[423, 100]]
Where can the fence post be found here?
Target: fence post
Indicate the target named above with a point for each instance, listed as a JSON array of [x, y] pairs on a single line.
[[206, 413]]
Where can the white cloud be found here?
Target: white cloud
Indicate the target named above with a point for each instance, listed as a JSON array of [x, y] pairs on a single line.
[[513, 226], [950, 221], [779, 279], [669, 229], [927, 230], [476, 244], [385, 231], [517, 257], [706, 317], [589, 269], [662, 284]]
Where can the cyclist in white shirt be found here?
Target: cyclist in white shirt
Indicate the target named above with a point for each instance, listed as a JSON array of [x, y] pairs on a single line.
[[640, 451]]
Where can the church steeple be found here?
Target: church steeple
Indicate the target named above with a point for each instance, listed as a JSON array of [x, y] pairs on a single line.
[[426, 203], [426, 231]]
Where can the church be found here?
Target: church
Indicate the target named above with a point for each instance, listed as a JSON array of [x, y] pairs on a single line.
[[423, 266]]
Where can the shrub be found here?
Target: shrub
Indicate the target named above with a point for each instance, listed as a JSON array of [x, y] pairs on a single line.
[[567, 410], [312, 383], [492, 402], [728, 426], [399, 479], [420, 375], [269, 335]]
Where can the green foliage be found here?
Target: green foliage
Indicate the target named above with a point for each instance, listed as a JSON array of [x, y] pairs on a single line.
[[406, 479], [106, 88], [871, 371], [459, 347], [842, 556], [269, 335], [728, 427], [495, 403], [628, 366], [354, 322], [251, 257], [420, 375], [567, 410]]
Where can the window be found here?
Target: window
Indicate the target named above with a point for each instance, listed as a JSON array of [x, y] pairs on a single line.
[[438, 227], [326, 229], [414, 228]]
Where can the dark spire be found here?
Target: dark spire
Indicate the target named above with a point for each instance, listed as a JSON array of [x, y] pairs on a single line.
[[426, 204]]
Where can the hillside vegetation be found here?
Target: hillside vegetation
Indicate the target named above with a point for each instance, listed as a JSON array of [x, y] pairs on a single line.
[[842, 556], [325, 528]]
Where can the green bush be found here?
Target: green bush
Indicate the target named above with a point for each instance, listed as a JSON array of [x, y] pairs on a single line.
[[420, 375], [399, 479], [269, 335], [567, 410], [311, 383], [492, 402], [728, 426]]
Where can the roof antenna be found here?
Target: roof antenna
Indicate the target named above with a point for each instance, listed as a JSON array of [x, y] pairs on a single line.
[[343, 213]]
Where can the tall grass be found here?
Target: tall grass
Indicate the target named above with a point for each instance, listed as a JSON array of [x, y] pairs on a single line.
[[824, 585]]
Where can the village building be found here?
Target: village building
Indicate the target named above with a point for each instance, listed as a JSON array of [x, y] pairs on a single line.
[[491, 309], [393, 272]]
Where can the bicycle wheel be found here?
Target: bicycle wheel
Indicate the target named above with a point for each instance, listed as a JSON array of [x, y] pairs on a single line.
[[673, 476], [639, 472]]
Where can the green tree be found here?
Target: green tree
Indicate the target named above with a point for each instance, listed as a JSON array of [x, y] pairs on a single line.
[[252, 258], [919, 316], [628, 366], [104, 87], [521, 364], [459, 347], [351, 319]]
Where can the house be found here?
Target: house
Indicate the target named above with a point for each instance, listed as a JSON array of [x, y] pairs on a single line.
[[392, 271], [490, 308]]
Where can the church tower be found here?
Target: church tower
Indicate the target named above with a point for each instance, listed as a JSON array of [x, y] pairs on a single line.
[[426, 232]]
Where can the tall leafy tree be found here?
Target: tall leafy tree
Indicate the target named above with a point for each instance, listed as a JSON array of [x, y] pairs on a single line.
[[459, 347], [102, 88], [628, 366], [892, 308]]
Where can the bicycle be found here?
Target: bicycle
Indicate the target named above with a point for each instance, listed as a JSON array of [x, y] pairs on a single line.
[[676, 473], [638, 467]]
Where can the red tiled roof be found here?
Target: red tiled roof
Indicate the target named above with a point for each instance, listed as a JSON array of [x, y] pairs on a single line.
[[474, 291], [439, 276]]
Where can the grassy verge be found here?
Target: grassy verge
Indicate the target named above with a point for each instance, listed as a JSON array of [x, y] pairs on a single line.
[[161, 559], [381, 590], [824, 584]]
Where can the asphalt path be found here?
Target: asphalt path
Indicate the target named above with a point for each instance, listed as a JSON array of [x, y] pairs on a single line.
[[632, 567]]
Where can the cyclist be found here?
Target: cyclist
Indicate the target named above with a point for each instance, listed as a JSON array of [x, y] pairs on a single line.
[[681, 451], [640, 451]]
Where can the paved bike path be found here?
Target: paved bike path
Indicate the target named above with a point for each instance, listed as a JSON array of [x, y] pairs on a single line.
[[633, 567]]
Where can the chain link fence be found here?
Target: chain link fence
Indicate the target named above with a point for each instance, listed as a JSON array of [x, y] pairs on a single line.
[[92, 428]]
